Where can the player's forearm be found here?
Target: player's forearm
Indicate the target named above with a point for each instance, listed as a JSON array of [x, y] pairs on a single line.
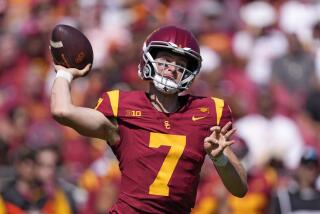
[[61, 104], [62, 108], [233, 175]]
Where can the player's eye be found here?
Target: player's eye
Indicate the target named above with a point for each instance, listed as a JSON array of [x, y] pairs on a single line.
[[162, 63], [180, 68]]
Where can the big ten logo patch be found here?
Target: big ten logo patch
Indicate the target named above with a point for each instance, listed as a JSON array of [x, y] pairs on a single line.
[[133, 113], [166, 124]]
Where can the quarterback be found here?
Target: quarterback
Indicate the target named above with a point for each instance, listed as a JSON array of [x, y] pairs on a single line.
[[160, 137]]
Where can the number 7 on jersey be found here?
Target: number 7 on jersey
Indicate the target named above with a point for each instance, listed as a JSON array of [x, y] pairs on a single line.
[[177, 144]]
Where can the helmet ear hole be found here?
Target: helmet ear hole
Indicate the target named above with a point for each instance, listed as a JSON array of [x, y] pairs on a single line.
[[147, 70]]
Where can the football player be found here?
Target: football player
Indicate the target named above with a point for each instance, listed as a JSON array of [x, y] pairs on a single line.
[[160, 137]]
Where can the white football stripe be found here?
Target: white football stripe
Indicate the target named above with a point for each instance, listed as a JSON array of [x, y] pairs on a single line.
[[58, 44]]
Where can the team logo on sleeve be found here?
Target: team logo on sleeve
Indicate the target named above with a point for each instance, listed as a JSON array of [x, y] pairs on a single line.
[[203, 113], [204, 109]]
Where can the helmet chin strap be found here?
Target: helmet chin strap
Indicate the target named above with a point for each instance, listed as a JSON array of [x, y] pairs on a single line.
[[165, 85]]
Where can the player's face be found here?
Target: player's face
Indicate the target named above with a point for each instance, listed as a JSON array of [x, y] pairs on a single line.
[[170, 66]]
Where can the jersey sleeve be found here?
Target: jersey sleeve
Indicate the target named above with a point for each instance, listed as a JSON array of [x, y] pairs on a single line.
[[108, 103], [223, 112]]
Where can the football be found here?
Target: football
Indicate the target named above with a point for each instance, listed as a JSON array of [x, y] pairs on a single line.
[[70, 47]]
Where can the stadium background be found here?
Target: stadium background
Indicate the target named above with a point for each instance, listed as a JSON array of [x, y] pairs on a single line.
[[262, 57]]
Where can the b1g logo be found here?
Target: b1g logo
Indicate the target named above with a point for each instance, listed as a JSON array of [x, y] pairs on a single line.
[[133, 113]]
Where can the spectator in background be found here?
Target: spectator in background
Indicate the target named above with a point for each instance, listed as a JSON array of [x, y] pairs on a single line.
[[308, 119], [35, 188], [301, 195], [18, 119], [298, 17], [312, 104], [271, 135], [58, 194], [259, 42], [311, 116], [19, 194], [293, 76]]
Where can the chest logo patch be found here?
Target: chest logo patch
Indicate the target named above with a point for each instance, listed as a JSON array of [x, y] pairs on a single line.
[[166, 124]]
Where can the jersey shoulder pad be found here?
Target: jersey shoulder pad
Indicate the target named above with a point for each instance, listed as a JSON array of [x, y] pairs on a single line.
[[222, 111], [108, 103]]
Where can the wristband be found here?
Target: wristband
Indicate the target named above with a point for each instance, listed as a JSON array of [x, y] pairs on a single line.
[[64, 74], [220, 161]]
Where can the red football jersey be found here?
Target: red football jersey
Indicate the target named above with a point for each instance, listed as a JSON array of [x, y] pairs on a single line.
[[160, 155]]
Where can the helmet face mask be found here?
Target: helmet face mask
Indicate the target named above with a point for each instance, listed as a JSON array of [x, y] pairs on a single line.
[[176, 41]]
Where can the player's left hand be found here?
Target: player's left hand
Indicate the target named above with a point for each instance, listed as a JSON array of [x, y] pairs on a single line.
[[218, 140]]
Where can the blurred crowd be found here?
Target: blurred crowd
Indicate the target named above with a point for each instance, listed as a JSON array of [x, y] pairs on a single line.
[[262, 57]]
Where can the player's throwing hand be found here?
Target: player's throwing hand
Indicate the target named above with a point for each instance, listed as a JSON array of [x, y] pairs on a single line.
[[73, 71]]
